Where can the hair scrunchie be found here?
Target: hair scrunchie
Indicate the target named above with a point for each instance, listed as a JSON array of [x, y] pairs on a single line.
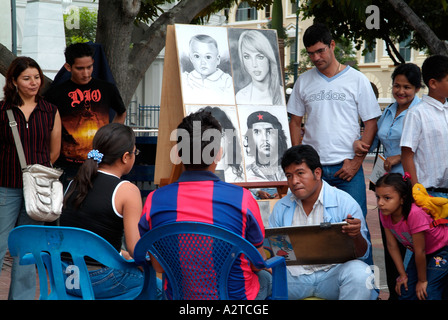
[[406, 176], [95, 155]]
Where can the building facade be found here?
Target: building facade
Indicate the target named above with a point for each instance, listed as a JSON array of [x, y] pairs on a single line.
[[376, 65]]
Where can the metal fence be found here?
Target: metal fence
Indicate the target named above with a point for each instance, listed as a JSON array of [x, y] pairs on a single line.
[[143, 119]]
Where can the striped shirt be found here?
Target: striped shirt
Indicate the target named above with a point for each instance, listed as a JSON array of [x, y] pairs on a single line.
[[201, 196], [35, 136], [425, 131]]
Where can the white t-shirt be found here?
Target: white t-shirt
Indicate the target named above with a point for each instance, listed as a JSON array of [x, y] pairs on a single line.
[[333, 107], [425, 131]]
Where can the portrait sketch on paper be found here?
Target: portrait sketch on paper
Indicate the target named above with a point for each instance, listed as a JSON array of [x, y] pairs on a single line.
[[204, 60], [256, 67], [230, 167], [266, 135]]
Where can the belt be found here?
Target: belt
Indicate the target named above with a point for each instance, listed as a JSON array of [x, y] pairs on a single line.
[[442, 190], [90, 267], [93, 267]]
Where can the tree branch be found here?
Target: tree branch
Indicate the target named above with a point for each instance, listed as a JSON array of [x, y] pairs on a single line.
[[436, 45], [6, 57], [183, 12], [131, 8]]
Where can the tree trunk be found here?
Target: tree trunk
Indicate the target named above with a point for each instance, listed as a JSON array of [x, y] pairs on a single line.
[[435, 45], [114, 29], [129, 61]]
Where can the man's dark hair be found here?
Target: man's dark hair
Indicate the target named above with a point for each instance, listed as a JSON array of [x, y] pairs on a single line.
[[301, 154], [435, 67], [207, 122], [318, 32], [77, 50], [264, 116]]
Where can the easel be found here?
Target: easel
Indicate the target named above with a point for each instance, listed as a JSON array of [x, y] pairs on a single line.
[[171, 114]]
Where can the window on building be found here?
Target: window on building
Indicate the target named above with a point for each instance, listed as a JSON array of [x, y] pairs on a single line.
[[245, 12], [405, 49], [267, 12], [293, 6], [370, 56], [292, 51]]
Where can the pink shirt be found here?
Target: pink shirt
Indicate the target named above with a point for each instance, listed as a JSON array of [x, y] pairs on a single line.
[[418, 221]]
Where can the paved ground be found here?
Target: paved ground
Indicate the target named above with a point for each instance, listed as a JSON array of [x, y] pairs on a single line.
[[372, 222]]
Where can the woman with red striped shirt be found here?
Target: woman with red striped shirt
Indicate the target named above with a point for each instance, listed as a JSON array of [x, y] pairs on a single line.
[[39, 126]]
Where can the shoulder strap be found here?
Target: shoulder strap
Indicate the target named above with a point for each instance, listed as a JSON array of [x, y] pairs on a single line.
[[437, 222], [15, 133], [379, 141]]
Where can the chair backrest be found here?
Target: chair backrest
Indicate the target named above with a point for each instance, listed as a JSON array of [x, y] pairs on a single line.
[[43, 246], [196, 257]]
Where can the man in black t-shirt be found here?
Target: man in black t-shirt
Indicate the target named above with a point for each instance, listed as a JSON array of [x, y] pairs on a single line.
[[84, 104]]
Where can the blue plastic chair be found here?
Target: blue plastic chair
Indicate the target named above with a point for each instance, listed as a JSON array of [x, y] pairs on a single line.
[[191, 251], [43, 245]]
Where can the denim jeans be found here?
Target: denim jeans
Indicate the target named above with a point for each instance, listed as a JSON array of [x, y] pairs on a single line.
[[355, 187], [265, 279], [108, 282], [345, 281], [438, 194], [436, 275], [13, 214]]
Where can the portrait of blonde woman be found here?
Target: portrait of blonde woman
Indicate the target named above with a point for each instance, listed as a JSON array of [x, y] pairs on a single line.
[[257, 59]]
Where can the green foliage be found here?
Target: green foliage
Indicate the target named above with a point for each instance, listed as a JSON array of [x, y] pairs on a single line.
[[347, 18], [150, 10], [277, 19]]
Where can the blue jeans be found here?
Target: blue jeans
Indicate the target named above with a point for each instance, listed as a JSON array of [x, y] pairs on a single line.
[[345, 281], [13, 214], [356, 187], [108, 282], [438, 194], [265, 279], [436, 275]]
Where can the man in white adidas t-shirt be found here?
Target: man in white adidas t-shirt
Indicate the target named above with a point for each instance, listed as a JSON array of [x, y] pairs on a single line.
[[334, 97]]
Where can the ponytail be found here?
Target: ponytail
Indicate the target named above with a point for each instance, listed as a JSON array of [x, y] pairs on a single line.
[[83, 182]]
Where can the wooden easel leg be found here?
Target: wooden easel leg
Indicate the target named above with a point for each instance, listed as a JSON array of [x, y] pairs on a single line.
[[176, 171], [282, 191]]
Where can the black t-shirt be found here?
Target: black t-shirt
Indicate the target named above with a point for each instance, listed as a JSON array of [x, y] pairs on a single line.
[[83, 109]]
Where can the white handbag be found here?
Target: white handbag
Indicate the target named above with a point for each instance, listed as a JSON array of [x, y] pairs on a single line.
[[42, 190]]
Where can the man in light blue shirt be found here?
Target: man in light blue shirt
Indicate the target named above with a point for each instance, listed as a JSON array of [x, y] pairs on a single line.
[[313, 201]]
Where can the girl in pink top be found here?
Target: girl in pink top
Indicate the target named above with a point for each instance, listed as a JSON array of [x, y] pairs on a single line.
[[426, 276]]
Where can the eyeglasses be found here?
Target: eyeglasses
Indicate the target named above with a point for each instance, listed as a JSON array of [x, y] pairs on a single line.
[[318, 52], [136, 152]]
